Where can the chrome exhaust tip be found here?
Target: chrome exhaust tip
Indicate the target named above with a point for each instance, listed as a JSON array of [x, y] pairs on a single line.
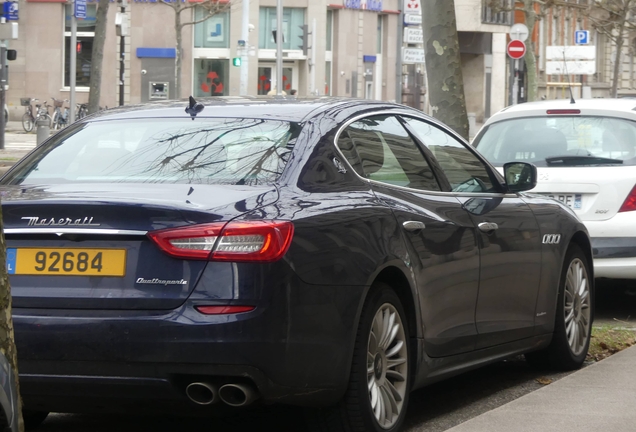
[[202, 393], [238, 395]]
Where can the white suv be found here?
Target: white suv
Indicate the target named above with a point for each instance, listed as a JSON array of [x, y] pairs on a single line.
[[585, 153]]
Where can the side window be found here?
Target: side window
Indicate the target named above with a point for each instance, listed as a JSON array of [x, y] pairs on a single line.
[[380, 149], [465, 172]]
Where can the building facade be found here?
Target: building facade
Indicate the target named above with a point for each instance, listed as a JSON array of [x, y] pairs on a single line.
[[356, 51]]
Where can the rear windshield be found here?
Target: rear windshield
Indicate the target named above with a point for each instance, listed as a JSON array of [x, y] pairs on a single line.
[[204, 151], [599, 139]]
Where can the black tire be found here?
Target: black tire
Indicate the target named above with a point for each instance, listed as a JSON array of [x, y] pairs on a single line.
[[33, 419], [27, 122], [355, 412], [563, 353]]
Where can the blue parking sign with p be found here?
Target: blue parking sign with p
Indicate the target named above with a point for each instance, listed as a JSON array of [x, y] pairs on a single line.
[[582, 37]]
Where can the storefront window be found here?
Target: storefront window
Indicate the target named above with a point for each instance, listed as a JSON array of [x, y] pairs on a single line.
[[213, 32], [211, 77], [83, 48], [293, 18]]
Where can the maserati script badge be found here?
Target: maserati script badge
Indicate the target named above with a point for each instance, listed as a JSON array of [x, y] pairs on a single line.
[[53, 222]]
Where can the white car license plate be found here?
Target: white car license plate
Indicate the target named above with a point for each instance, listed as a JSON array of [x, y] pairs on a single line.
[[573, 201]]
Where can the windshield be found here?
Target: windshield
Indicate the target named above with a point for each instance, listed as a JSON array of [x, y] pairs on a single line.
[[206, 151], [586, 140]]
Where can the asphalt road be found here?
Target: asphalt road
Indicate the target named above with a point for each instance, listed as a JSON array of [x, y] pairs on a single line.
[[433, 409]]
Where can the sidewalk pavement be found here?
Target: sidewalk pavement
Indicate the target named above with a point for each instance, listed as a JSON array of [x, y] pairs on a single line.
[[599, 397], [17, 143]]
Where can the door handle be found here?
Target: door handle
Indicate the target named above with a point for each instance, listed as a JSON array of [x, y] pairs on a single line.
[[413, 225], [488, 226]]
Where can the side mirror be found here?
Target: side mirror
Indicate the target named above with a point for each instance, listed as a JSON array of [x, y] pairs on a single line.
[[520, 176]]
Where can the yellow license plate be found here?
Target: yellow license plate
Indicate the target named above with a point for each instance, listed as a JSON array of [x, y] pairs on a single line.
[[66, 261]]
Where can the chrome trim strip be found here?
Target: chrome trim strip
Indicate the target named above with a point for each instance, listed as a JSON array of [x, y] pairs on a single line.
[[61, 231]]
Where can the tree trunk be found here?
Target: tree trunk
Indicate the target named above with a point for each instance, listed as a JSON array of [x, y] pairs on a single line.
[[7, 341], [443, 64], [616, 74], [97, 56], [530, 59], [178, 27]]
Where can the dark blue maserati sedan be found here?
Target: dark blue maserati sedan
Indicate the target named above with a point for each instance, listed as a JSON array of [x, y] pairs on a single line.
[[333, 254]]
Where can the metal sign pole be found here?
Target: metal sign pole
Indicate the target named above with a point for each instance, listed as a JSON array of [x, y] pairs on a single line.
[[279, 47], [245, 34], [3, 95], [73, 64]]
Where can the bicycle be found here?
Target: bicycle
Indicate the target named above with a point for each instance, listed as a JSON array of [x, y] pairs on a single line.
[[43, 113], [60, 119], [27, 118], [82, 111]]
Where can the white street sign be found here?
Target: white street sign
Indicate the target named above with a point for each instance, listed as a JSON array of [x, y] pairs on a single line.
[[572, 67], [412, 19], [413, 35], [412, 55], [519, 31], [571, 52], [412, 7]]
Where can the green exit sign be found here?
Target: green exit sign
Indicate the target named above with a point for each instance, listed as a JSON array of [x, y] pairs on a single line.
[[236, 61]]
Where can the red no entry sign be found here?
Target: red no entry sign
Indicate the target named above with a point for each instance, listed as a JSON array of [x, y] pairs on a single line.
[[516, 49]]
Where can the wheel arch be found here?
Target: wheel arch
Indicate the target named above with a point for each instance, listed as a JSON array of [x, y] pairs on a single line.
[[397, 280], [583, 241]]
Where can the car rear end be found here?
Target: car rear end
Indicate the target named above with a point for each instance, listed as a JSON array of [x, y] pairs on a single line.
[[585, 155], [145, 272]]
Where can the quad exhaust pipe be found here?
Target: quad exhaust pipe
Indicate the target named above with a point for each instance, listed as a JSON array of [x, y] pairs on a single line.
[[202, 393], [238, 395]]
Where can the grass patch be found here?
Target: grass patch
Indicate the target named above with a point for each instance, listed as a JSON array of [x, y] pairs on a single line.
[[608, 340]]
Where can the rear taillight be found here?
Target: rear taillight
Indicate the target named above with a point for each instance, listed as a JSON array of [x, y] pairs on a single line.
[[630, 202], [241, 241]]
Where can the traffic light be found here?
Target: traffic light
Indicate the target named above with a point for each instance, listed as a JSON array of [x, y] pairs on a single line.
[[78, 47], [304, 45], [236, 61]]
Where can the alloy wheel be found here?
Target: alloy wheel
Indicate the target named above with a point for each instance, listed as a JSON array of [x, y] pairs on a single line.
[[577, 306], [387, 366]]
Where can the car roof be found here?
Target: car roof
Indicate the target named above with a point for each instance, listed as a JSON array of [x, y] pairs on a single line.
[[266, 107], [623, 107]]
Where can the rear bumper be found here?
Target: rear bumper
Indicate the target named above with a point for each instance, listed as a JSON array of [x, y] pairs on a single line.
[[296, 349], [614, 257]]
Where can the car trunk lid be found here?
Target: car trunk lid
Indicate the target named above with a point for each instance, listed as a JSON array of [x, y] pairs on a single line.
[[84, 246]]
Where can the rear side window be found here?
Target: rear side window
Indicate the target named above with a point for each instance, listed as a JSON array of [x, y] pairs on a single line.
[[206, 151], [380, 149], [538, 138]]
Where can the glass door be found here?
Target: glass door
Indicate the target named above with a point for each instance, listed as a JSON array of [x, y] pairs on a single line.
[[267, 79]]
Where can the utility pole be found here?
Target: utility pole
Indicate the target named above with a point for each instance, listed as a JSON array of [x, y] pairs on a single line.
[[244, 47], [122, 30], [312, 65], [398, 69], [73, 64]]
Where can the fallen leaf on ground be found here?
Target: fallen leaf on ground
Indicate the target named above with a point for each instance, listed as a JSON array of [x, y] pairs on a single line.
[[544, 381]]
